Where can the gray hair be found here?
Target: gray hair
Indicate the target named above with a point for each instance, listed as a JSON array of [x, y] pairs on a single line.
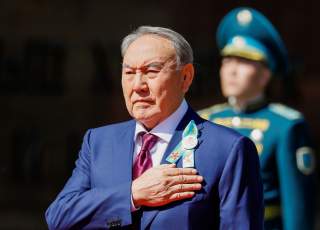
[[184, 53]]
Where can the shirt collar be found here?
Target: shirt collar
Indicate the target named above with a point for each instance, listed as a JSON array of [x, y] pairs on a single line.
[[165, 129]]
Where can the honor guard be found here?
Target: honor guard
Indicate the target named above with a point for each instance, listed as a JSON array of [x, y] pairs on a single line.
[[252, 51]]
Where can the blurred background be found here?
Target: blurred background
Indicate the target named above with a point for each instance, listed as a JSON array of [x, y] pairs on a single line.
[[60, 70]]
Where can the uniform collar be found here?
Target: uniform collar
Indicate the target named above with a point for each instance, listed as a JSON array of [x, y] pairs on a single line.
[[252, 105]]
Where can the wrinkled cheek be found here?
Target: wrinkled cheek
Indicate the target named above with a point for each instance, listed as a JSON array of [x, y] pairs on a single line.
[[163, 101], [127, 100], [129, 105]]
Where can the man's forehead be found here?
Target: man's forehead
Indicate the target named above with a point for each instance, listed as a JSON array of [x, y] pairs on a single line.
[[149, 48], [158, 61]]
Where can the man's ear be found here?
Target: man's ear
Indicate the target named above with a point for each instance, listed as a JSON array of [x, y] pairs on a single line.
[[265, 77], [188, 74]]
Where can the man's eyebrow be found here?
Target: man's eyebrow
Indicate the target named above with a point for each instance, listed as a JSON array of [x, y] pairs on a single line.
[[155, 64], [124, 65]]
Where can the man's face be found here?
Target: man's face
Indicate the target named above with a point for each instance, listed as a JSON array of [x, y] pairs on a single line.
[[153, 86], [242, 78]]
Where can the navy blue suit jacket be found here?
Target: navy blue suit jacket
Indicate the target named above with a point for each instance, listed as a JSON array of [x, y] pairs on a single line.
[[98, 194]]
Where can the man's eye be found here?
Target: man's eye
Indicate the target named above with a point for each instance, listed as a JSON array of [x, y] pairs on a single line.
[[129, 72], [226, 60], [153, 71]]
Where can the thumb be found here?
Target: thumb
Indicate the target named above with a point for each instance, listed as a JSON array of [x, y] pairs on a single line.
[[167, 166]]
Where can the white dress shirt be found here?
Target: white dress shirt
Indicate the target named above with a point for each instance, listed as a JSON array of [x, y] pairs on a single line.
[[164, 130]]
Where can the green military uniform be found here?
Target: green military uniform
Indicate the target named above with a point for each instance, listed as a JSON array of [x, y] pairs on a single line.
[[280, 133], [286, 159]]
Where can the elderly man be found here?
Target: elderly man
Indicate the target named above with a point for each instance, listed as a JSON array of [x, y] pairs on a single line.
[[167, 168], [252, 51]]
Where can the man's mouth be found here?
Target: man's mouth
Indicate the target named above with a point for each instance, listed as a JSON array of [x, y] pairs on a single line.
[[143, 101]]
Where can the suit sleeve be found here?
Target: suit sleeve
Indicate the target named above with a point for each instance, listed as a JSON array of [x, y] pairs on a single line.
[[296, 162], [79, 205], [240, 189]]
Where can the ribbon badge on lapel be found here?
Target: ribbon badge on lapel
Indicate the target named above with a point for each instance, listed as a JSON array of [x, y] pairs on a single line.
[[185, 148]]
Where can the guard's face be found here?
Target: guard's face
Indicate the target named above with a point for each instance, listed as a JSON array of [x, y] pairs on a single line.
[[242, 78], [153, 85]]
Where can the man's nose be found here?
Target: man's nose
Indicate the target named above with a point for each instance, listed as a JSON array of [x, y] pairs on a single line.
[[232, 69], [140, 83]]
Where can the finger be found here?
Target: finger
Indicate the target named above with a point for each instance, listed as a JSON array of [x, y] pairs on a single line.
[[180, 171], [181, 196], [166, 166], [183, 179], [185, 187], [186, 179]]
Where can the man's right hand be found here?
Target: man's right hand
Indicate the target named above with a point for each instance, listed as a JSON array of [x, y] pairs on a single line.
[[164, 184]]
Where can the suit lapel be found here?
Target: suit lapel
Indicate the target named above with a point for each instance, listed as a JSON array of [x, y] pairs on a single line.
[[150, 214], [123, 152], [177, 136]]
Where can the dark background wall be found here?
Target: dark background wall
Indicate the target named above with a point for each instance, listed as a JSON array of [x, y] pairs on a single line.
[[60, 75]]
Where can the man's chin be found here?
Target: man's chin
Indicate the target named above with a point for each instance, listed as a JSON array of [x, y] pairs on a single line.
[[231, 94], [148, 120]]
